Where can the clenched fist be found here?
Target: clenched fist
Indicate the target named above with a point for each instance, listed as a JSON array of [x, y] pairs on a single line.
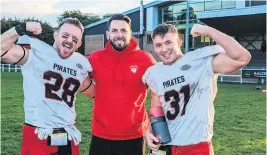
[[34, 27], [199, 30]]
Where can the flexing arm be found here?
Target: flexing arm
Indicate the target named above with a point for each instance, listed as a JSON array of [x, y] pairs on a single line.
[[235, 56], [12, 53]]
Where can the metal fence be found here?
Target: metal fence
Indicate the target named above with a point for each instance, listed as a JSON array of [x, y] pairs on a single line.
[[10, 68], [233, 78]]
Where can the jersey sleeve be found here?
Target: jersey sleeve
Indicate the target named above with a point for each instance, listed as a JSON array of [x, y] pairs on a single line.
[[208, 65], [23, 40], [147, 80], [88, 65], [203, 56], [33, 45], [90, 60], [150, 79], [90, 68], [206, 52], [29, 61], [37, 45]]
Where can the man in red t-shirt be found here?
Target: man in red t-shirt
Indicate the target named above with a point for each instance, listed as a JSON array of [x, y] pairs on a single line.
[[119, 113]]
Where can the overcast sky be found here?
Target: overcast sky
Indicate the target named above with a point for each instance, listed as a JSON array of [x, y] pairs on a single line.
[[49, 10]]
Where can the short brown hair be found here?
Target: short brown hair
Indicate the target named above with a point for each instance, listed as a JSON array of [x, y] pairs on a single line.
[[73, 21], [119, 17], [163, 29]]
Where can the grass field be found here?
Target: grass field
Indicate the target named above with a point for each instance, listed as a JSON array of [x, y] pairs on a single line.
[[240, 119]]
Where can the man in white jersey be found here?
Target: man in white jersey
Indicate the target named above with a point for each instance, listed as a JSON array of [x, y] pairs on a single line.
[[52, 75], [186, 85]]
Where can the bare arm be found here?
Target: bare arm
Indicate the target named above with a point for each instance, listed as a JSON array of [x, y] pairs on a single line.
[[88, 87], [8, 39], [154, 100], [235, 56], [11, 53], [154, 103]]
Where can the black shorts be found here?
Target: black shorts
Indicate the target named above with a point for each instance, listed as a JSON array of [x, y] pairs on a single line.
[[100, 146]]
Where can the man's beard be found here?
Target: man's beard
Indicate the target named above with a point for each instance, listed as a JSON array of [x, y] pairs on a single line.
[[117, 48]]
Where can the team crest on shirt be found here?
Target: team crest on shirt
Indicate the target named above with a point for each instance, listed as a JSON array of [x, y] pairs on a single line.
[[79, 66], [134, 68], [185, 67]]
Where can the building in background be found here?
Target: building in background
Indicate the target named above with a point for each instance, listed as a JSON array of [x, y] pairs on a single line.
[[244, 20]]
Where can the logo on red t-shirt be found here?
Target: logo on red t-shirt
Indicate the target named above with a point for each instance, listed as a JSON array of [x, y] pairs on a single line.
[[134, 68]]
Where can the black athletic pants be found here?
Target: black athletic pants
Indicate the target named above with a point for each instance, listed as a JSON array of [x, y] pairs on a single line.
[[100, 146]]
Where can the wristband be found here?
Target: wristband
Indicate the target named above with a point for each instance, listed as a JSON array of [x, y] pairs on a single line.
[[87, 86], [21, 29]]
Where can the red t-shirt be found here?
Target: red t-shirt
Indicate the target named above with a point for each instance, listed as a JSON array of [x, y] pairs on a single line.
[[119, 107]]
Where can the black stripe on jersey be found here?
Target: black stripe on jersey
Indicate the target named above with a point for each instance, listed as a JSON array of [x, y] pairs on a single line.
[[87, 86], [21, 57]]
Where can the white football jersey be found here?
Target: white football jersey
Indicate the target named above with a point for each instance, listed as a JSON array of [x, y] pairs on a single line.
[[186, 90], [50, 85]]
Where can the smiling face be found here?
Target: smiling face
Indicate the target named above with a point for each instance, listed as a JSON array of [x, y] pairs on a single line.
[[67, 40], [167, 47], [119, 34]]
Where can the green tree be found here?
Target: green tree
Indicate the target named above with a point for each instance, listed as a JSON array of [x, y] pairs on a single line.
[[47, 30], [107, 15], [6, 24], [84, 18]]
